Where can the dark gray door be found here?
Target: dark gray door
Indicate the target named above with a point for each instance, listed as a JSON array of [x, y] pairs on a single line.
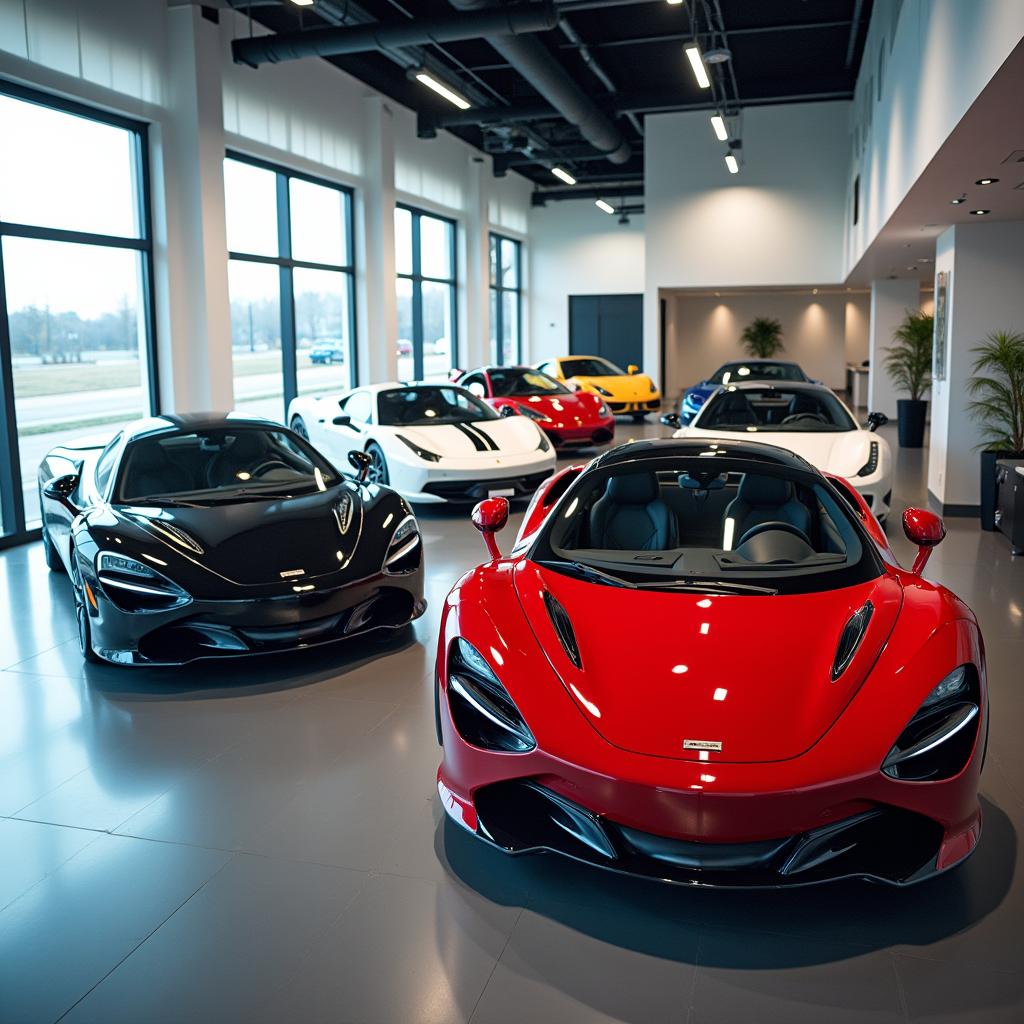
[[607, 325]]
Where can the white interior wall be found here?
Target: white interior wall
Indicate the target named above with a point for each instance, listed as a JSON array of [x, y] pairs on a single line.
[[858, 323], [890, 302], [932, 58], [575, 249]]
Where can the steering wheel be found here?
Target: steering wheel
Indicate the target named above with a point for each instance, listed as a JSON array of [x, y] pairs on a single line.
[[774, 524], [804, 416], [265, 467]]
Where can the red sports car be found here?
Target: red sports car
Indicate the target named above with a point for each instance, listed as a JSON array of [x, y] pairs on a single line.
[[570, 419], [701, 662]]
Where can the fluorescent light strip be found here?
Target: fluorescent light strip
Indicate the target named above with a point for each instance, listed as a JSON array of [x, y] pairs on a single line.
[[563, 175], [674, 3], [602, 205], [442, 90], [730, 162], [303, 3], [700, 72], [718, 123]]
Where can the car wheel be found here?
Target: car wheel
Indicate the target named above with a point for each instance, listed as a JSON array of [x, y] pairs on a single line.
[[82, 613], [50, 553], [378, 471], [299, 426]]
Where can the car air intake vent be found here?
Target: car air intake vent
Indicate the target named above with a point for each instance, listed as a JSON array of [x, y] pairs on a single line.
[[563, 627], [850, 638]]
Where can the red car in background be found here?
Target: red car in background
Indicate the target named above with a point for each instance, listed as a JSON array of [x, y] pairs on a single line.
[[570, 419]]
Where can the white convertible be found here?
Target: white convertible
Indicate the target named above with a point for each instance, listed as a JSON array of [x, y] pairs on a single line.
[[809, 420], [430, 442]]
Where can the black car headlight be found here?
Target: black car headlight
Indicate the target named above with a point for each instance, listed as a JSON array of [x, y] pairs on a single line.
[[601, 391], [603, 411], [403, 553], [872, 464], [483, 712], [544, 444], [133, 586], [938, 741], [423, 453], [653, 387], [532, 414]]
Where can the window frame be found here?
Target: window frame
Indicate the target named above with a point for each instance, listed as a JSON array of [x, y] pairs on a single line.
[[417, 279], [498, 290], [14, 529], [287, 265]]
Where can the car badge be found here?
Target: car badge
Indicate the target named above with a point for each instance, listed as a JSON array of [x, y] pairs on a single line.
[[702, 744], [292, 572], [343, 513]]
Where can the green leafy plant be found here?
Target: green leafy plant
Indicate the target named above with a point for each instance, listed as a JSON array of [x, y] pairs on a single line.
[[762, 337], [909, 361], [997, 388]]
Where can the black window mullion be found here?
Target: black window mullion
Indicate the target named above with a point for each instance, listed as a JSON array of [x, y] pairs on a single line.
[[284, 249], [11, 504], [417, 299], [145, 216]]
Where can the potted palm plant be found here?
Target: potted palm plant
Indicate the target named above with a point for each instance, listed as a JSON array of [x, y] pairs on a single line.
[[997, 404], [909, 363], [762, 337]]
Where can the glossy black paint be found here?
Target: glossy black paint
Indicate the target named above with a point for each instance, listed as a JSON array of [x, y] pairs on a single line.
[[263, 575]]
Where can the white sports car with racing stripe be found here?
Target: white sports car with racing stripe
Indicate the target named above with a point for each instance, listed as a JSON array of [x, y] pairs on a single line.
[[807, 419], [430, 442]]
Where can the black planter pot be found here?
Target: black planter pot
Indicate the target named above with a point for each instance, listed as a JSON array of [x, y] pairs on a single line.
[[988, 485], [911, 413]]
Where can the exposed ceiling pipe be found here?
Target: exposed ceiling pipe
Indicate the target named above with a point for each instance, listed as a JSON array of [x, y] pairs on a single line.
[[851, 46], [529, 57], [335, 41], [609, 192]]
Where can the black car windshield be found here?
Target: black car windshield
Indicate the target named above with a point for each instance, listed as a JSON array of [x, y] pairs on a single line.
[[220, 464], [426, 406], [521, 380], [737, 372], [590, 366], [796, 410], [715, 524]]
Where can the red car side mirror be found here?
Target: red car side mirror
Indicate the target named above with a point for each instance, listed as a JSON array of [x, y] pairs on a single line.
[[925, 529], [489, 517]]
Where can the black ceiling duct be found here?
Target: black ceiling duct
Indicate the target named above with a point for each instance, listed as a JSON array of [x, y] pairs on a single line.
[[531, 59], [342, 39]]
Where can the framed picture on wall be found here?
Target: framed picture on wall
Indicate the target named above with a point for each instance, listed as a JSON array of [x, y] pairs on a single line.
[[939, 338]]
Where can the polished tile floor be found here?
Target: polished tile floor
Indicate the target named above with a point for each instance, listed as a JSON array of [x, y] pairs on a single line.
[[262, 842]]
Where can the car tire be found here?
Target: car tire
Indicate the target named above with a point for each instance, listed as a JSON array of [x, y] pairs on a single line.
[[299, 426], [378, 471], [82, 614], [50, 554]]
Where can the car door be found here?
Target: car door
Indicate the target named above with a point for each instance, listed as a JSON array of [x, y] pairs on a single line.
[[351, 435]]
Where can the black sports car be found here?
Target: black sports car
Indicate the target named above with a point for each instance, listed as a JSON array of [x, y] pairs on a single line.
[[209, 535]]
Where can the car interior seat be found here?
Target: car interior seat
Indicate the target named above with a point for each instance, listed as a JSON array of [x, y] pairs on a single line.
[[764, 499], [631, 516]]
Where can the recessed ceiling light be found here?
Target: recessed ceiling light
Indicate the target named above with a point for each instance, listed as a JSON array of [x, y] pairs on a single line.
[[814, 291], [700, 72], [957, 202], [986, 181], [602, 205], [924, 259], [730, 162], [979, 213], [563, 175]]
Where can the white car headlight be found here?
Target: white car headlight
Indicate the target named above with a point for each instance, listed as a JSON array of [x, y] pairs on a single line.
[[871, 465]]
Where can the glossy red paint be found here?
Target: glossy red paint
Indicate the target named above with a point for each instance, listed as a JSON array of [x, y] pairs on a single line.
[[748, 672], [926, 530], [490, 516]]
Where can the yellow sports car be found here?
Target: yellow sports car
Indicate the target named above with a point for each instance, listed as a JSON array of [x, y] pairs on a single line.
[[624, 391]]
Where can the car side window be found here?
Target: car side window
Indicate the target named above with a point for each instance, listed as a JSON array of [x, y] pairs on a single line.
[[359, 407], [551, 369], [105, 466]]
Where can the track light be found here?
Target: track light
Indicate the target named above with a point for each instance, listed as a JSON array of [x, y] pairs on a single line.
[[700, 72], [731, 163], [442, 90], [602, 205], [563, 175], [303, 3], [718, 123], [986, 181], [980, 213]]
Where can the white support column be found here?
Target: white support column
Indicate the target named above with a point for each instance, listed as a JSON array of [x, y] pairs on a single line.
[[985, 263], [190, 242], [890, 301], [378, 314], [475, 339]]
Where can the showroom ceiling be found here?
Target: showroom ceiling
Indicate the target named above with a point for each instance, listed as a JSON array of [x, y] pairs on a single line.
[[574, 95]]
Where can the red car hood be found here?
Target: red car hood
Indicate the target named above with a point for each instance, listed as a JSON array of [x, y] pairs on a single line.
[[557, 407], [750, 673]]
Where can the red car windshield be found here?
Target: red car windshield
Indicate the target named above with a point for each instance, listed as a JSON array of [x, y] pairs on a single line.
[[521, 381]]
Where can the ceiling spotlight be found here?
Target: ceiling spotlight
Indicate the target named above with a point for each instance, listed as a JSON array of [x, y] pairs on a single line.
[[986, 181], [979, 213], [442, 90], [718, 123], [303, 3], [730, 162], [717, 56], [814, 291], [957, 202], [563, 175], [602, 205], [700, 72]]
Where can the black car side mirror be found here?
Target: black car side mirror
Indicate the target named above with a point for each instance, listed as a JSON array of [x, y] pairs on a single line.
[[876, 420], [342, 421], [60, 489], [508, 410], [671, 419], [360, 462]]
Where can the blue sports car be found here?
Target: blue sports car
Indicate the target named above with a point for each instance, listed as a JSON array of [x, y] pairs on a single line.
[[746, 370]]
